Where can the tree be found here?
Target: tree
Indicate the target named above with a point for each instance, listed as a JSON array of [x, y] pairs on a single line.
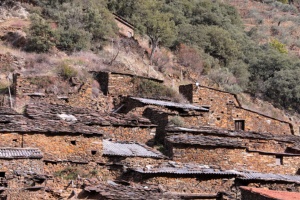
[[149, 18], [40, 35], [284, 88]]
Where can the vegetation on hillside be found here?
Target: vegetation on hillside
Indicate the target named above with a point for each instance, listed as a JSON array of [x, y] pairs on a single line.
[[79, 25], [206, 36], [229, 55]]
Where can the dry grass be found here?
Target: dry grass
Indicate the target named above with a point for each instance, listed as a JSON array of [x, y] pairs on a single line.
[[269, 17]]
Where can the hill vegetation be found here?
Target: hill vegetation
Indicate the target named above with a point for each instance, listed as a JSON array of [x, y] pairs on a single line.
[[207, 37], [231, 56]]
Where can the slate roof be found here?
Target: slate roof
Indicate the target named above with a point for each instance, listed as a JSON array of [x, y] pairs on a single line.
[[83, 115], [22, 124], [136, 192], [20, 153], [169, 104], [183, 169], [273, 194], [202, 140], [129, 149], [233, 134], [194, 169]]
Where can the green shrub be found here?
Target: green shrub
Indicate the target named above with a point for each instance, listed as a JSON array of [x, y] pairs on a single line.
[[66, 71], [152, 89], [280, 47], [40, 35], [73, 39], [68, 173], [81, 24], [283, 1]]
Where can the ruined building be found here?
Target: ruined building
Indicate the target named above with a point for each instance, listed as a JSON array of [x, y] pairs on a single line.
[[68, 143], [227, 112]]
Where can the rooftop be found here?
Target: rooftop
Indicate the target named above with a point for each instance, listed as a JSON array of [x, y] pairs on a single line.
[[129, 149], [169, 104], [113, 190], [186, 168], [176, 168], [204, 140], [282, 195], [22, 124], [20, 153], [233, 134], [83, 115]]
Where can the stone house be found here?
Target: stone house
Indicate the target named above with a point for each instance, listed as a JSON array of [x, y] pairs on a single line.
[[188, 179], [234, 150], [227, 112], [60, 137], [164, 113], [125, 28], [100, 93], [75, 134], [21, 169]]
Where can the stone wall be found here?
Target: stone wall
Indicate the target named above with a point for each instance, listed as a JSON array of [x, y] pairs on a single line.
[[239, 159], [225, 110], [159, 118], [258, 123], [203, 184], [162, 116], [57, 147], [123, 133], [66, 171], [194, 121], [20, 193], [10, 165], [47, 89], [252, 142], [119, 84]]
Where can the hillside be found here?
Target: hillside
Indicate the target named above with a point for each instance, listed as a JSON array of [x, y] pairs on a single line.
[[149, 99], [188, 62]]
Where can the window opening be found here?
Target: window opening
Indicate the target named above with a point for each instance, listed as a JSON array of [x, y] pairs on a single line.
[[239, 125], [279, 160]]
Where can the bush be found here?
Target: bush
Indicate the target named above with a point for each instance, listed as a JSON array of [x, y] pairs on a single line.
[[68, 173], [283, 1], [73, 39], [40, 35], [66, 71], [152, 89], [81, 25], [279, 46]]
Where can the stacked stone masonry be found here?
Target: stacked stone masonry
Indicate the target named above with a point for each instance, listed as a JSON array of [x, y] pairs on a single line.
[[70, 135], [225, 110]]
